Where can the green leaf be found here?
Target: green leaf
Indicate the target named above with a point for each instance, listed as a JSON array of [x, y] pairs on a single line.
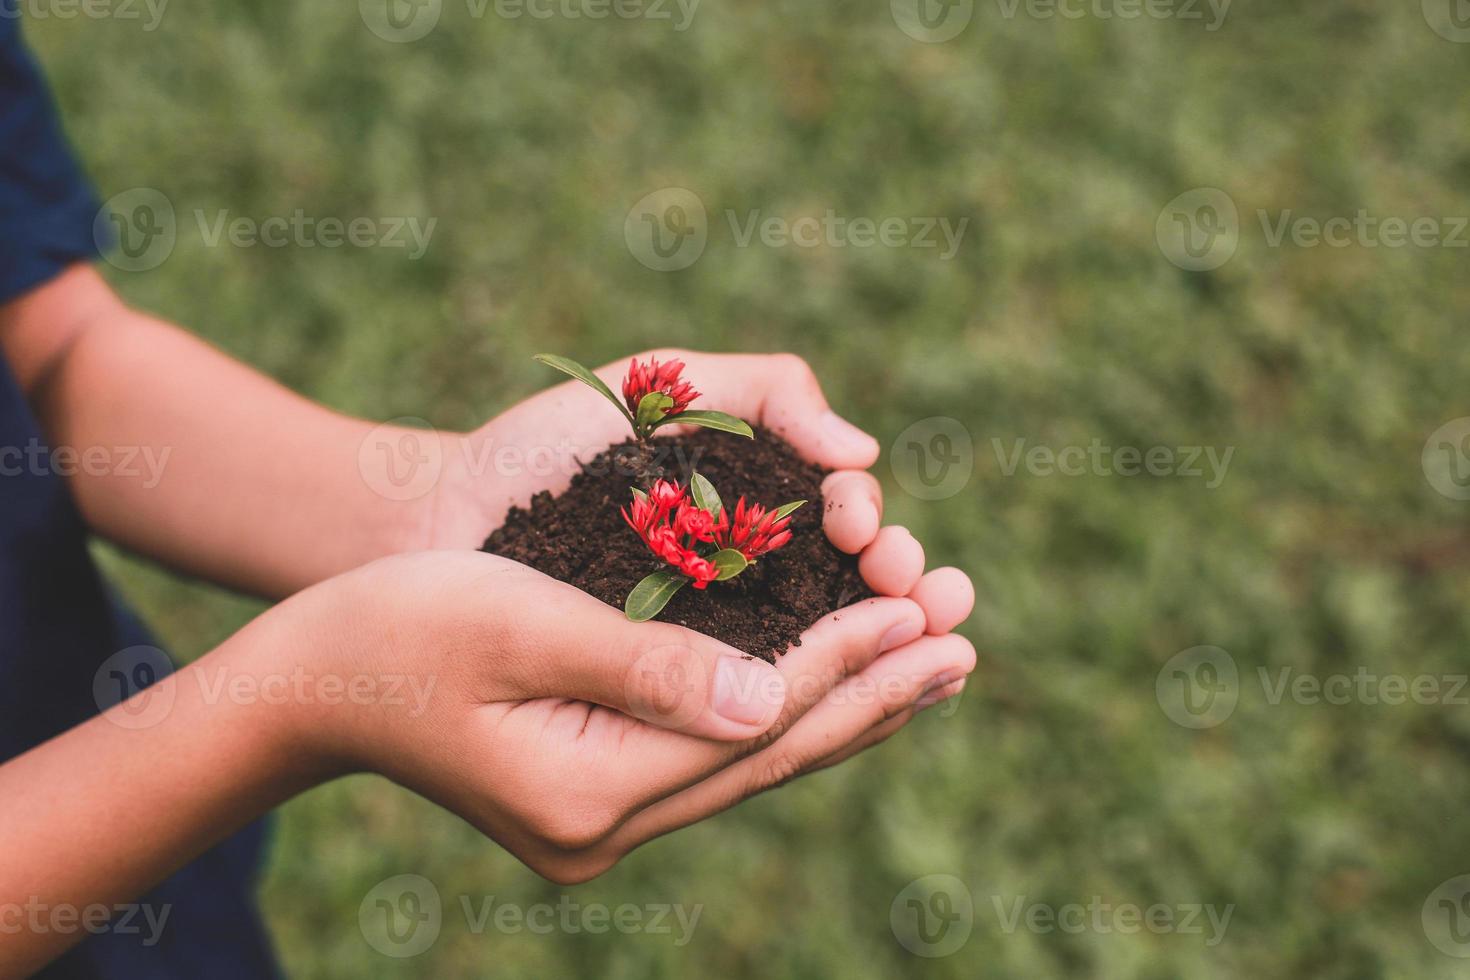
[[568, 366], [639, 495], [651, 409], [706, 497], [786, 509], [649, 596], [711, 420], [730, 563]]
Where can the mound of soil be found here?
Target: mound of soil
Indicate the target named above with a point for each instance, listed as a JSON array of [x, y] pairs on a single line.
[[579, 537]]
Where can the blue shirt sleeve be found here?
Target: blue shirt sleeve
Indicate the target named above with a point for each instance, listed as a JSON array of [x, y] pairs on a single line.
[[47, 208]]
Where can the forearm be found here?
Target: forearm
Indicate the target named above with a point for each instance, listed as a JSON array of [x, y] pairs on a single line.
[[98, 815], [202, 463]]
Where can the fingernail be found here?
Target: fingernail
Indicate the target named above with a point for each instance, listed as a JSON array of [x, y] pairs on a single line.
[[744, 691], [905, 632], [939, 695], [939, 680], [844, 433]]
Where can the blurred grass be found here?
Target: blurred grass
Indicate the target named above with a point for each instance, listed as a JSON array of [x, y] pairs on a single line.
[[1059, 778]]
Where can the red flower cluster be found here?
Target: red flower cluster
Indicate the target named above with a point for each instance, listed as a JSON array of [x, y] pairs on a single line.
[[653, 376], [753, 531], [673, 527]]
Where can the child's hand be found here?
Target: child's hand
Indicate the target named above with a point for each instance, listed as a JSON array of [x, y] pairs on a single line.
[[569, 734], [547, 433], [777, 391]]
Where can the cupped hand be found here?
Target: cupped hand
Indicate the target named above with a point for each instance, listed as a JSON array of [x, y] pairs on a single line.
[[571, 735], [539, 443]]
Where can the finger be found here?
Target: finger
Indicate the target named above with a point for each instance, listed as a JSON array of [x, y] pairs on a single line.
[[948, 597], [851, 510], [892, 564], [779, 391], [837, 646], [671, 677], [879, 695], [794, 408], [882, 731]]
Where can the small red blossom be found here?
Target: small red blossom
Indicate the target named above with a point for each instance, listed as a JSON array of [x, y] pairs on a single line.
[[753, 530], [699, 537], [672, 527], [644, 378]]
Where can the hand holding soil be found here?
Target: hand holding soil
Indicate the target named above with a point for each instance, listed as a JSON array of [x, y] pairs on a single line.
[[571, 735]]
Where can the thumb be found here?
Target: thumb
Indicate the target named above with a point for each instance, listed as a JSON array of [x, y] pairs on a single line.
[[659, 673]]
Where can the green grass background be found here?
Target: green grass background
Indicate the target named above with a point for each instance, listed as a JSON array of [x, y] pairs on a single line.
[[1059, 321]]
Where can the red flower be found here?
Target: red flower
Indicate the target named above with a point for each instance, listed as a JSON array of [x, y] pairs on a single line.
[[674, 527], [752, 530], [653, 376]]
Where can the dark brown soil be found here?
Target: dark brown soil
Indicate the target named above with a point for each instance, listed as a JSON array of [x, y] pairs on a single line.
[[579, 537]]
